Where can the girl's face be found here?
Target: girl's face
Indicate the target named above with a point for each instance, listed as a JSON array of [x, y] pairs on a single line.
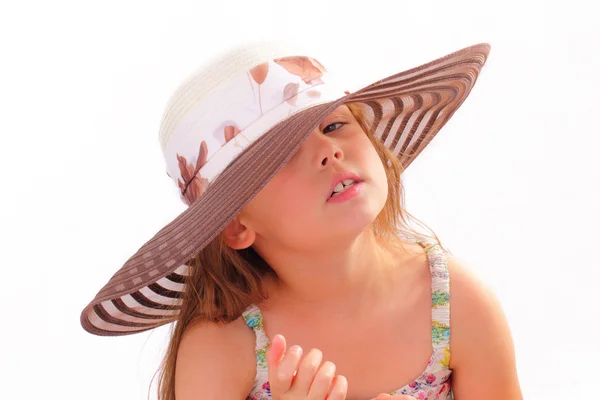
[[331, 189]]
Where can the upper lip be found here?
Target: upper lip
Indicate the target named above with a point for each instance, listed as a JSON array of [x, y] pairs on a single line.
[[340, 177]]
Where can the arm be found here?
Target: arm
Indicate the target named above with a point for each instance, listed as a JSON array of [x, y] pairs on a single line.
[[215, 361], [482, 350]]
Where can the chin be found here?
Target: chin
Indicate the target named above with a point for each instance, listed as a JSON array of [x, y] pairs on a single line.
[[353, 224]]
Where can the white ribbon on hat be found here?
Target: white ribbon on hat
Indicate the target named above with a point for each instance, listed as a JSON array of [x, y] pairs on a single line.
[[252, 108]]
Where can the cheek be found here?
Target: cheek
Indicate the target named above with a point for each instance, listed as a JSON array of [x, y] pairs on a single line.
[[375, 171], [378, 170], [288, 193], [279, 206], [371, 161]]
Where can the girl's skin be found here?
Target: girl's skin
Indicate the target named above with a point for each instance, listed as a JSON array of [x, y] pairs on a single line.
[[364, 304]]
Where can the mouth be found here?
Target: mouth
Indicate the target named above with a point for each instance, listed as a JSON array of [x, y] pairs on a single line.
[[342, 182], [342, 186]]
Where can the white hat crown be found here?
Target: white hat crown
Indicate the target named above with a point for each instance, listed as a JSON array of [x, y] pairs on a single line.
[[217, 71], [230, 102]]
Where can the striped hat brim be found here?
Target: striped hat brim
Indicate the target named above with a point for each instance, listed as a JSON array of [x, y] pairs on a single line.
[[406, 111]]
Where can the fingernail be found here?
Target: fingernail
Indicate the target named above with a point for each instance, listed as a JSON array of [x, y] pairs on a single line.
[[295, 348]]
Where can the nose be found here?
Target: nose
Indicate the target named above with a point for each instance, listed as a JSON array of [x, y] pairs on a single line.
[[326, 149]]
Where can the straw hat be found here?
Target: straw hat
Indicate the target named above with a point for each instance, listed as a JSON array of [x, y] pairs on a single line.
[[232, 125]]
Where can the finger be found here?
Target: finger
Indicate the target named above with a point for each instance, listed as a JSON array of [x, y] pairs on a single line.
[[282, 364], [309, 365], [339, 388], [322, 381], [284, 372], [274, 355], [275, 351]]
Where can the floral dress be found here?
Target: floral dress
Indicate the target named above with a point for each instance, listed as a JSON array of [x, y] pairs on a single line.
[[431, 384]]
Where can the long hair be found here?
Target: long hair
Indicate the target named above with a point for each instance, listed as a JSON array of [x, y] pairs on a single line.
[[224, 282]]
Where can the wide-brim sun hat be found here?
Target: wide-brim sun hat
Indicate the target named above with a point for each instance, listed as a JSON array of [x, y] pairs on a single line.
[[230, 127]]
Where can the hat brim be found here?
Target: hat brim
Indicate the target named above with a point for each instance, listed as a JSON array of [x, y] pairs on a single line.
[[406, 111]]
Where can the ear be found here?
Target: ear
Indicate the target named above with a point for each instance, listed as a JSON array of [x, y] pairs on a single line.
[[238, 236]]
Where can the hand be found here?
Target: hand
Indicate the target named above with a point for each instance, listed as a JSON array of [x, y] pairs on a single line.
[[293, 376]]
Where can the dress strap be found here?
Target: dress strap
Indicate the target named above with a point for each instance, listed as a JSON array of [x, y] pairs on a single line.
[[254, 319], [440, 299]]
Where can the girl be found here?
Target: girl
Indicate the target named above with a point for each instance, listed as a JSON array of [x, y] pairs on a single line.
[[296, 233]]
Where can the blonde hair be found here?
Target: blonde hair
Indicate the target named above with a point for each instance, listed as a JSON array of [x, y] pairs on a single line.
[[224, 282]]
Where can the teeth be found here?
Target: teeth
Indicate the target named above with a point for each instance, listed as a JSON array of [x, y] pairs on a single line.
[[338, 188]]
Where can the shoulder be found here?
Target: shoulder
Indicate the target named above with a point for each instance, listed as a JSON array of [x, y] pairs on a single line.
[[216, 360], [476, 315], [481, 345]]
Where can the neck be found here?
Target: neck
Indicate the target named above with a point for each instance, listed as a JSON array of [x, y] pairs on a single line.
[[336, 277]]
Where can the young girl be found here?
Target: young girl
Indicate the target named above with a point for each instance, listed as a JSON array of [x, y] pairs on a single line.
[[295, 272]]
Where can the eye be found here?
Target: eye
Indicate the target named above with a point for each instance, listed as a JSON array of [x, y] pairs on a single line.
[[337, 125]]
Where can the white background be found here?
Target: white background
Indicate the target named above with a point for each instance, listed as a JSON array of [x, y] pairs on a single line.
[[511, 184]]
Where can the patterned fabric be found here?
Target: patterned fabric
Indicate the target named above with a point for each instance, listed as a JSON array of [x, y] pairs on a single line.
[[432, 384]]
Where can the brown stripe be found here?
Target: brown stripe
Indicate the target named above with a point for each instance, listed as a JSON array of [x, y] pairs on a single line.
[[121, 306], [176, 278], [417, 148], [398, 108], [391, 90], [418, 99], [146, 302], [430, 122], [393, 81], [438, 69], [105, 316], [377, 111], [156, 288], [399, 133]]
